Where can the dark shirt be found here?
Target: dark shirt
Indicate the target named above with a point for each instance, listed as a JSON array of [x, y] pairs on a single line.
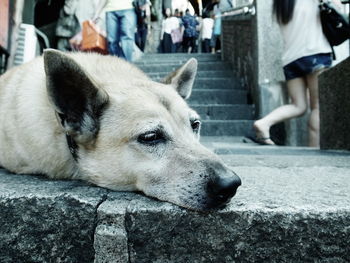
[[190, 23]]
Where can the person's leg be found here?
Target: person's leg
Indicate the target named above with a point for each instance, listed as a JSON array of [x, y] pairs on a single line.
[[185, 44], [193, 45], [167, 43], [190, 45], [297, 92], [138, 36], [218, 43], [127, 32], [172, 46], [213, 43], [144, 38], [314, 121], [207, 45], [112, 33]]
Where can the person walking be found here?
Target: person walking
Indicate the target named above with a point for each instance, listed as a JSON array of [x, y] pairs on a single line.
[[207, 31], [143, 13], [215, 43], [120, 26], [190, 35], [306, 54], [170, 23], [178, 44]]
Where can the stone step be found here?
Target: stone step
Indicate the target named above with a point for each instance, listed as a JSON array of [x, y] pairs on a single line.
[[212, 83], [177, 57], [224, 111], [169, 67], [176, 62], [226, 127], [217, 96], [294, 208], [202, 73], [216, 83]]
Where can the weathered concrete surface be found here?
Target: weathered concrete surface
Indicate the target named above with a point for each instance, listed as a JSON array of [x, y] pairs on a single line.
[[293, 206], [47, 221], [283, 217], [335, 107]]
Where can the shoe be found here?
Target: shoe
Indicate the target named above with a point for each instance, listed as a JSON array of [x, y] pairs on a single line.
[[261, 141]]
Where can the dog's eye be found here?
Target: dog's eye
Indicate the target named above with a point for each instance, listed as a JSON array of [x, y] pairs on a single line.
[[195, 124], [151, 138]]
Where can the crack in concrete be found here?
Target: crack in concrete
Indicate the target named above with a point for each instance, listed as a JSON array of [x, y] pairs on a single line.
[[127, 235], [102, 200]]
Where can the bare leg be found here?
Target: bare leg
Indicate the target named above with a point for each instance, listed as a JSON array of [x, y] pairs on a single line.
[[297, 92], [314, 121]]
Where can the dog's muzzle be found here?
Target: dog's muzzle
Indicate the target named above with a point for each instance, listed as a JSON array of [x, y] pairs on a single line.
[[220, 190]]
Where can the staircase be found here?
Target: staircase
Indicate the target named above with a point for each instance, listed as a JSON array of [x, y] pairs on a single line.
[[217, 96]]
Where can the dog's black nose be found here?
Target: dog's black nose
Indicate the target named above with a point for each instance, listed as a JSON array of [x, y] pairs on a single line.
[[222, 189]]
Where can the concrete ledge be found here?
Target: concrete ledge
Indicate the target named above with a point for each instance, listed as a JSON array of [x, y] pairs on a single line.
[[299, 212], [42, 220], [334, 104]]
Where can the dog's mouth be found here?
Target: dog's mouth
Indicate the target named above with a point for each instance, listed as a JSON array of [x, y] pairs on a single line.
[[205, 203]]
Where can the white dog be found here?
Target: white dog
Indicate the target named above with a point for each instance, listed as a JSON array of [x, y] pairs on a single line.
[[100, 119]]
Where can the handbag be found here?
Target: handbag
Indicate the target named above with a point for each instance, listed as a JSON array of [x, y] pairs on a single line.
[[176, 35], [93, 39], [335, 25]]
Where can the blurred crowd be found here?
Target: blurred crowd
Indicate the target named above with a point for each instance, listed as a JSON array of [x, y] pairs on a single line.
[[185, 32], [126, 25]]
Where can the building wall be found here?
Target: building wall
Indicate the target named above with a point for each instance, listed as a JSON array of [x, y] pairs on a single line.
[[239, 46], [335, 107]]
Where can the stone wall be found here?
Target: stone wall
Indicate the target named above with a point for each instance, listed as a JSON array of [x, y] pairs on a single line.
[[335, 107], [239, 46]]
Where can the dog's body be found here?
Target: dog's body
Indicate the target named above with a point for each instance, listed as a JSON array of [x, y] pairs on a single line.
[[100, 119]]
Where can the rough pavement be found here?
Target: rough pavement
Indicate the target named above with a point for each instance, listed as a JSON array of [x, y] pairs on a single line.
[[293, 206]]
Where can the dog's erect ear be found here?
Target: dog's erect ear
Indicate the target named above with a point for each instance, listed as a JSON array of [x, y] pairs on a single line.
[[76, 98], [182, 79]]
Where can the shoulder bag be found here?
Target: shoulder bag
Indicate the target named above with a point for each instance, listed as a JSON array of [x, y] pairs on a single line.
[[335, 25]]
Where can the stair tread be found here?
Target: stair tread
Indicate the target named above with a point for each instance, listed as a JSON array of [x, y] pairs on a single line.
[[217, 95]]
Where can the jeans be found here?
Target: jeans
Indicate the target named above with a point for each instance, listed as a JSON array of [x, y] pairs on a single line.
[[121, 26], [141, 37]]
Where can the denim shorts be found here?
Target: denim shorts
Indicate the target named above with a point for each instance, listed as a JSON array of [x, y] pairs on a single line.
[[307, 65]]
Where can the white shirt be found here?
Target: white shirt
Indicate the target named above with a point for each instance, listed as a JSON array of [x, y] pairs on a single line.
[[116, 5], [169, 24], [303, 35], [207, 28]]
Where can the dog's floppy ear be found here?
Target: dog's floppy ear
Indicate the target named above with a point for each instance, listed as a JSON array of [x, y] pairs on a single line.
[[76, 98], [182, 79]]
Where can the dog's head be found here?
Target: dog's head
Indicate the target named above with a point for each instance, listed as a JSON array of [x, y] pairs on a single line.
[[127, 132]]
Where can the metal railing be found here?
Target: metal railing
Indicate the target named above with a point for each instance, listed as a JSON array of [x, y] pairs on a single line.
[[248, 9]]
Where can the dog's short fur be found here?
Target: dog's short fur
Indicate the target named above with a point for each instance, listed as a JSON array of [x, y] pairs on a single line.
[[100, 119]]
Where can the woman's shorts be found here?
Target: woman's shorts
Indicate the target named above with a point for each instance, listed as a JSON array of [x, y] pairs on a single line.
[[307, 65]]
